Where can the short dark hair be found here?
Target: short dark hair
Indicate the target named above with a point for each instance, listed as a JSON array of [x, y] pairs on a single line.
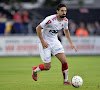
[[60, 6]]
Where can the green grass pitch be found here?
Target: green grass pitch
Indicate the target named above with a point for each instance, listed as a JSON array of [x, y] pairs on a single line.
[[16, 73]]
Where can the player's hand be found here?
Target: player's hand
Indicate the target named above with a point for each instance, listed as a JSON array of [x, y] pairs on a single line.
[[73, 47], [44, 44]]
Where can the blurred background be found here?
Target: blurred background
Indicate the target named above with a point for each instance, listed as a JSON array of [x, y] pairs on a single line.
[[19, 18]]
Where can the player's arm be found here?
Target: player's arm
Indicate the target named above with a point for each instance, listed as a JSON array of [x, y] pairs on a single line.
[[67, 34], [38, 30]]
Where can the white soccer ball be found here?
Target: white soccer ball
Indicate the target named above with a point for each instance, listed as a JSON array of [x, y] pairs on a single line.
[[77, 81]]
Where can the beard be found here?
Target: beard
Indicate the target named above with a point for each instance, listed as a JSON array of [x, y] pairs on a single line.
[[63, 16]]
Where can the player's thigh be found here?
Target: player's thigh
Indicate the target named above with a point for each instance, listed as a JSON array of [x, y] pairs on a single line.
[[45, 54], [61, 57], [57, 48]]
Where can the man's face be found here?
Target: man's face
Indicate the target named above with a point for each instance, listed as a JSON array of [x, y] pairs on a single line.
[[62, 12]]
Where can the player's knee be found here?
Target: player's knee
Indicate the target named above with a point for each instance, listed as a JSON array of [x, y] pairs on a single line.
[[47, 67]]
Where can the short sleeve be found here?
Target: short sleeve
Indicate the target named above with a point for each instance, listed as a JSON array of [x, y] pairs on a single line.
[[66, 24], [45, 22]]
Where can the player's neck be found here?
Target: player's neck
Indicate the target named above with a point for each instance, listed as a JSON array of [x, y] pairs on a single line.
[[58, 18]]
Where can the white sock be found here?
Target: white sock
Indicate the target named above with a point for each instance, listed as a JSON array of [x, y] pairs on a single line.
[[37, 69], [66, 75]]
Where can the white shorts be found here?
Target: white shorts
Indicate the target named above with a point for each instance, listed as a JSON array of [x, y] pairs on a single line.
[[53, 48]]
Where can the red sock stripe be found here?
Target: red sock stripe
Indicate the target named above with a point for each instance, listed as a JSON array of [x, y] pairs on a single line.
[[64, 66], [34, 68]]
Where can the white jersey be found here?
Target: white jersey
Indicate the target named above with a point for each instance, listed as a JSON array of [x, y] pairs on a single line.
[[51, 26]]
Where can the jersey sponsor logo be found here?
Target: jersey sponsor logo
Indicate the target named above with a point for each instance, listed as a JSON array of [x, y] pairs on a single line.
[[53, 31]]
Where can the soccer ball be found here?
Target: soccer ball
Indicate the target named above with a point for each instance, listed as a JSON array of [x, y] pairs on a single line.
[[77, 81]]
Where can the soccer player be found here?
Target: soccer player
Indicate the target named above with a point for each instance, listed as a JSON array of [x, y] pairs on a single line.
[[47, 31]]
